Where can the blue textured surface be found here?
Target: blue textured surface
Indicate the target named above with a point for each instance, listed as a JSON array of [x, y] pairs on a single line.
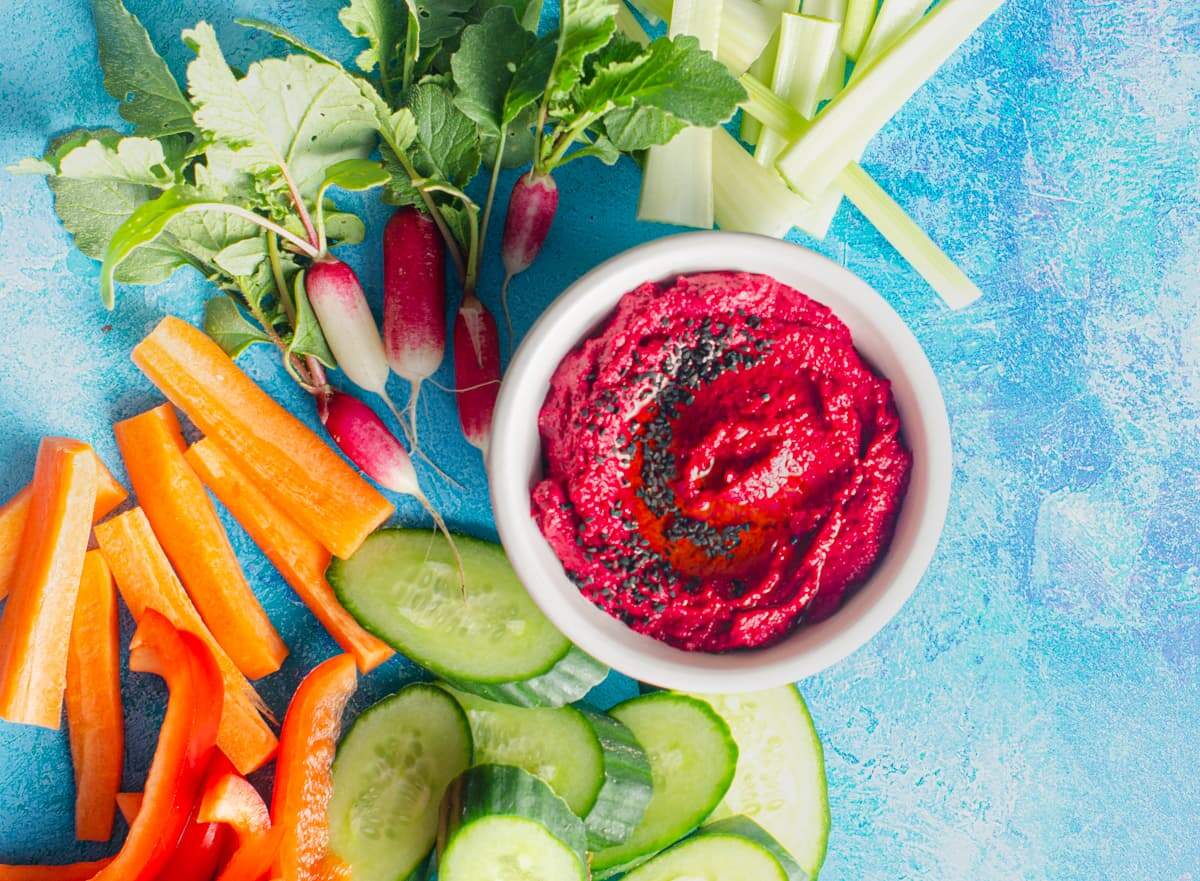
[[1032, 713]]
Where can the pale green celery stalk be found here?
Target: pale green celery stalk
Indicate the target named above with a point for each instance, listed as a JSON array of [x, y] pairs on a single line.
[[677, 180], [771, 110], [835, 73], [748, 197], [879, 208], [895, 19], [806, 45], [860, 15], [906, 237], [842, 129], [746, 28], [764, 65], [656, 11], [630, 26]]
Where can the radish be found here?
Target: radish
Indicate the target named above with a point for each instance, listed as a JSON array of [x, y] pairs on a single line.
[[350, 330], [414, 300], [531, 209], [476, 370], [365, 439]]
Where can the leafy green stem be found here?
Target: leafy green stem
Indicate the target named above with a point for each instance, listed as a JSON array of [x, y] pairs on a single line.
[[412, 48], [281, 288], [472, 277], [561, 143], [491, 193], [298, 201], [269, 225]]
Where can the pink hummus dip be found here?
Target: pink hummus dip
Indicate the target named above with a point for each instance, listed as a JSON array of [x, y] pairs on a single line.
[[720, 464]]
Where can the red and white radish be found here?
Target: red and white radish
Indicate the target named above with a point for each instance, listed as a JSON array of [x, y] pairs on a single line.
[[414, 300], [476, 370], [531, 209], [363, 436], [346, 320]]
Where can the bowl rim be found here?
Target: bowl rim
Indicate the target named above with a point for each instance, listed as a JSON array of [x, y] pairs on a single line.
[[514, 460]]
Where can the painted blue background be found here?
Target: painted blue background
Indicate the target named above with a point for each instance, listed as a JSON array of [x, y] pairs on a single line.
[[1033, 711]]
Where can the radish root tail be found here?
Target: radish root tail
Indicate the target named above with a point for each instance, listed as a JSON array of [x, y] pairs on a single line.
[[440, 523], [408, 424], [508, 325]]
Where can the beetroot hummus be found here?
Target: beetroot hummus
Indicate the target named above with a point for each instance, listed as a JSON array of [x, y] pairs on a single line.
[[720, 464]]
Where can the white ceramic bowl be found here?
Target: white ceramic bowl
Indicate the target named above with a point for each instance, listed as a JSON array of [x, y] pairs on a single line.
[[515, 463]]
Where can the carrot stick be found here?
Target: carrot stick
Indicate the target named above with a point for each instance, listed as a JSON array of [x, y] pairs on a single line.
[[146, 581], [95, 721], [72, 872], [35, 631], [129, 803], [294, 467], [186, 525], [15, 511], [300, 559]]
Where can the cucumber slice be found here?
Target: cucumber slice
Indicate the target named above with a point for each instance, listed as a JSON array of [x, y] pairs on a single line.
[[402, 585], [628, 786], [692, 762], [564, 683], [591, 761], [558, 745], [780, 782], [391, 770], [735, 848], [504, 824]]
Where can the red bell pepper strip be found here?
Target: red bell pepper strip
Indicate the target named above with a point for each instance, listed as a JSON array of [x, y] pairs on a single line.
[[229, 798], [72, 872], [185, 746], [198, 853], [303, 778]]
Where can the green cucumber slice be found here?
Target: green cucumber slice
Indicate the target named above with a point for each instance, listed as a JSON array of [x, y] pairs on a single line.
[[402, 585], [628, 785], [391, 770], [504, 824], [564, 683], [692, 762], [592, 762], [558, 745], [780, 782], [734, 848]]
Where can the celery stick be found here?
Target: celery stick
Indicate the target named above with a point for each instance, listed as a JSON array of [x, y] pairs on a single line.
[[764, 65], [677, 185], [806, 45], [656, 11], [630, 26], [835, 73], [860, 15], [746, 28], [749, 197], [771, 110], [896, 18], [951, 284], [842, 129]]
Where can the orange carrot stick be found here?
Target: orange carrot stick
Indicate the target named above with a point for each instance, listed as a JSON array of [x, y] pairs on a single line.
[[294, 467], [129, 803], [35, 632], [95, 721], [146, 581], [300, 559], [187, 527], [15, 511]]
